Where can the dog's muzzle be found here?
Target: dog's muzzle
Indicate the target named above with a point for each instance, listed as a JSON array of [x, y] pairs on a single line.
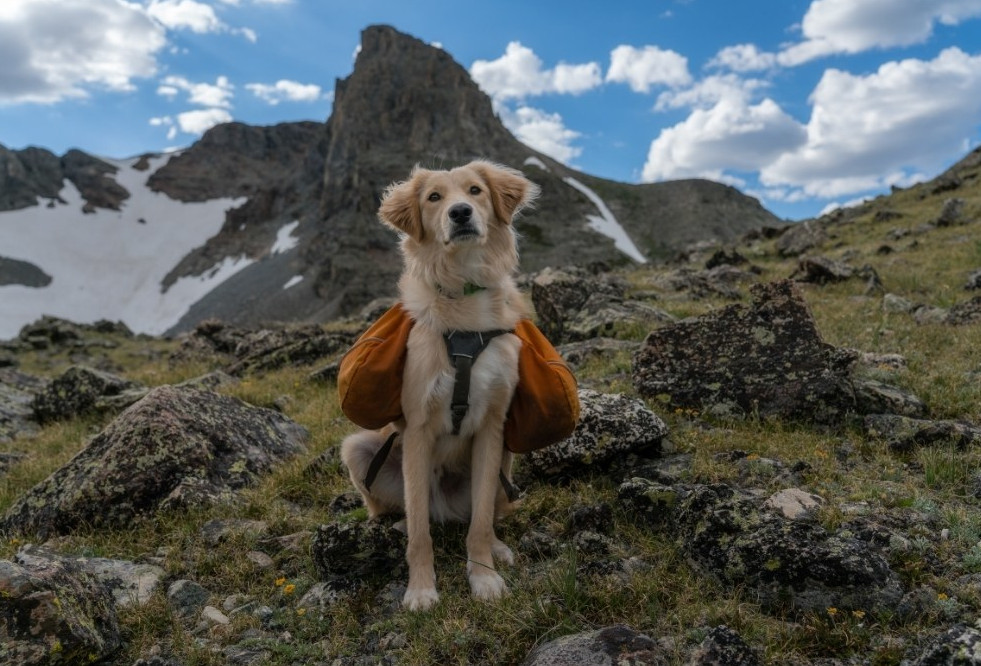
[[461, 218]]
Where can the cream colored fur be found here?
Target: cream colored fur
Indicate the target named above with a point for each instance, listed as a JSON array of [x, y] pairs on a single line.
[[432, 474]]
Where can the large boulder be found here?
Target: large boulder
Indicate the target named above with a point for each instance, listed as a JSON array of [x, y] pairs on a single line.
[[765, 359], [53, 612], [176, 446], [17, 391], [611, 427]]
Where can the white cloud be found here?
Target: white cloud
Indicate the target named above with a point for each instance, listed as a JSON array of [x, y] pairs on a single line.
[[543, 131], [185, 14], [200, 120], [165, 121], [872, 131], [646, 67], [744, 58], [57, 49], [847, 26], [519, 73], [285, 90], [710, 91], [731, 135], [218, 94]]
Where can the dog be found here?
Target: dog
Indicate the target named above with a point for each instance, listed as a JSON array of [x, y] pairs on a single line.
[[460, 255]]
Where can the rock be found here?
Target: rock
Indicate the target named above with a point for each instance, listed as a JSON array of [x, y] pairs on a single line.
[[17, 391], [929, 314], [81, 390], [211, 616], [215, 531], [319, 597], [578, 353], [973, 280], [721, 281], [788, 566], [54, 612], [618, 644], [131, 584], [799, 238], [349, 555], [875, 397], [173, 448], [187, 598], [572, 305], [260, 559], [611, 426], [951, 213], [725, 257], [766, 360], [958, 646], [649, 502], [724, 647], [794, 503], [895, 303], [16, 271], [964, 313], [822, 270], [903, 433], [48, 332]]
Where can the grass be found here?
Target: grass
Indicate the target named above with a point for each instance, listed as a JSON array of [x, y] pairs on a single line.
[[567, 593]]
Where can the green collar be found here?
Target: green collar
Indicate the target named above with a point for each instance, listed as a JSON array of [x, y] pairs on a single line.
[[469, 289]]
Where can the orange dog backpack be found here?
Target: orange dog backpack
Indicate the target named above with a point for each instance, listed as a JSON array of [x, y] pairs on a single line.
[[544, 409]]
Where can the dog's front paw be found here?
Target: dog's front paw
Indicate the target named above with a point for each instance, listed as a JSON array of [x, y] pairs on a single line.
[[420, 599], [487, 585]]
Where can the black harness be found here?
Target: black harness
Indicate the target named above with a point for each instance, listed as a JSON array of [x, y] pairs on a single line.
[[463, 348]]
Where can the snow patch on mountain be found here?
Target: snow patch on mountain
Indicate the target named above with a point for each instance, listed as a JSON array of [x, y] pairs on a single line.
[[285, 240], [110, 264], [606, 224]]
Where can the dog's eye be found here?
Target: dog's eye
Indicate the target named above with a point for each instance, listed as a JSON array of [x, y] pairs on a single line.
[[474, 189], [435, 196]]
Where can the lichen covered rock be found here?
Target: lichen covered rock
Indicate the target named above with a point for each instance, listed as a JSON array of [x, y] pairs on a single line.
[[766, 359], [349, 555], [611, 426], [173, 440], [618, 644], [52, 612], [80, 390]]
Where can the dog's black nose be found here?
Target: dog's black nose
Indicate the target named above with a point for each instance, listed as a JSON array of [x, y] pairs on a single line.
[[460, 213]]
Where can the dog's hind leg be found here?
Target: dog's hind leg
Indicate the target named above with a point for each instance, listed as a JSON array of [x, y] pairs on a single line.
[[387, 490]]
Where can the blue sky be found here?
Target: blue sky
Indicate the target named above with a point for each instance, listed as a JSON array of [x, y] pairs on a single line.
[[802, 103]]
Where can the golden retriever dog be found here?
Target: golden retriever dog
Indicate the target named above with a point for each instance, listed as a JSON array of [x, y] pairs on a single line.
[[460, 255]]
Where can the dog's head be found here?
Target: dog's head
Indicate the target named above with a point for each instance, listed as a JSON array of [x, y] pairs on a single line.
[[464, 206]]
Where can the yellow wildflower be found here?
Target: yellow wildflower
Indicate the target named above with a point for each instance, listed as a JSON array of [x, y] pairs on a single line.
[[289, 589], [280, 581]]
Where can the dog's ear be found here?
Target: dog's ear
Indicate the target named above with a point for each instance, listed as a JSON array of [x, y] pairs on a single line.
[[400, 207], [510, 190]]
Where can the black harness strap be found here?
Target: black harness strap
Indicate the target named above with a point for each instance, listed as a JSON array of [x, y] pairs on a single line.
[[464, 347], [378, 460]]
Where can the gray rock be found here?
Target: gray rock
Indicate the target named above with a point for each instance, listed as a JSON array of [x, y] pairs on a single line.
[[349, 555], [81, 390], [903, 433], [187, 598], [724, 647], [320, 596], [217, 530], [611, 426], [649, 502], [973, 280], [618, 644], [951, 213], [822, 270], [875, 397], [17, 391], [130, 583], [799, 238], [572, 305], [964, 313], [896, 303], [52, 606], [794, 503], [213, 617], [721, 280], [958, 646], [174, 447]]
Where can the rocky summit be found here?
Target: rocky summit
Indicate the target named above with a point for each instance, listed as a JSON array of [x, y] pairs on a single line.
[[406, 103]]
